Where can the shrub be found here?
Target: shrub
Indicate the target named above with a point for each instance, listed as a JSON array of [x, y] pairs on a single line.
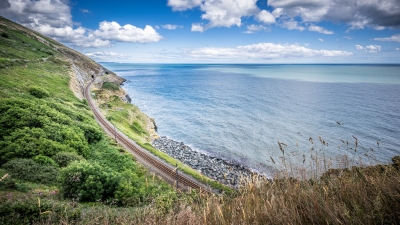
[[63, 159], [29, 170], [28, 143], [110, 86], [110, 157], [44, 160], [38, 92], [92, 133], [85, 181]]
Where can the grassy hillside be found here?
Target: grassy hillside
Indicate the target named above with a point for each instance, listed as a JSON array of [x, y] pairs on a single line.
[[51, 148]]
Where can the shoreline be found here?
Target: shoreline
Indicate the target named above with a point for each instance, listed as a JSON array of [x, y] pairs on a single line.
[[224, 171]]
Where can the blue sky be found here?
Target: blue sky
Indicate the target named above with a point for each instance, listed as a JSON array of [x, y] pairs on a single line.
[[219, 31]]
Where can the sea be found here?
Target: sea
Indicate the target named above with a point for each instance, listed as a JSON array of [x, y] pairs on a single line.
[[241, 112]]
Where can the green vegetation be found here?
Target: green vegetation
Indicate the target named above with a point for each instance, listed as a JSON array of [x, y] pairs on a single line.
[[50, 142], [63, 159], [38, 92], [29, 170], [110, 86]]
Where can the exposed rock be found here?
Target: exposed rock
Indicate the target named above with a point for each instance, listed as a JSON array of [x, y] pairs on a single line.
[[228, 173]]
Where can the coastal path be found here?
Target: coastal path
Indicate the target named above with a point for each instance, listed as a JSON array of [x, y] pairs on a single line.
[[156, 165]]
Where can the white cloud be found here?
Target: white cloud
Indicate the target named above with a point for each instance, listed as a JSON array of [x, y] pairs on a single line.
[[254, 28], [171, 26], [373, 48], [226, 13], [369, 48], [104, 55], [127, 33], [181, 5], [76, 37], [265, 51], [196, 27], [397, 49], [320, 39], [55, 13], [292, 25], [395, 37], [319, 29], [266, 17], [53, 18], [85, 11], [377, 14], [222, 13]]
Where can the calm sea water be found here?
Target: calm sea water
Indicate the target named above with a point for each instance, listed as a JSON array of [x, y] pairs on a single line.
[[240, 112]]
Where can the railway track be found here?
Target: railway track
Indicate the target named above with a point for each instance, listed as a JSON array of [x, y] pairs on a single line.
[[165, 170]]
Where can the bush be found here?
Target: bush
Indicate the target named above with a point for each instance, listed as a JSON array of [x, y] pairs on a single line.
[[110, 157], [87, 182], [92, 133], [29, 170], [44, 160], [110, 86], [38, 92], [63, 159]]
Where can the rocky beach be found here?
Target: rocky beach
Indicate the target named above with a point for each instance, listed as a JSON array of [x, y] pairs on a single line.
[[223, 171]]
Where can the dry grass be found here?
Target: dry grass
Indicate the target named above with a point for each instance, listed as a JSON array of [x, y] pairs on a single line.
[[368, 195]]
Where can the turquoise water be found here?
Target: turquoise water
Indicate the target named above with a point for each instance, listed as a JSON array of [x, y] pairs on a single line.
[[240, 112]]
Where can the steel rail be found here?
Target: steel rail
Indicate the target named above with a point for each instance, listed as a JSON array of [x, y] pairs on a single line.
[[165, 170]]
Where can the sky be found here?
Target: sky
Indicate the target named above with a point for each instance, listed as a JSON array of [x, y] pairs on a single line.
[[218, 31]]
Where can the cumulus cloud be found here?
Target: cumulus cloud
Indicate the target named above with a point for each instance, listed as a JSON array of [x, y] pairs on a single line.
[[265, 51], [53, 18], [356, 13], [223, 13], [76, 37], [373, 48], [319, 29], [127, 33], [55, 13], [196, 27], [292, 25], [181, 5], [226, 13], [171, 26], [266, 17], [369, 48], [254, 28], [104, 55], [395, 37]]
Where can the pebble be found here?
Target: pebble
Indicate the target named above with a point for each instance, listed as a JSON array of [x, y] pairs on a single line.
[[223, 171]]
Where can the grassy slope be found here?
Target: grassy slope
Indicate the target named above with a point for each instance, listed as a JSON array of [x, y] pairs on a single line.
[[29, 61]]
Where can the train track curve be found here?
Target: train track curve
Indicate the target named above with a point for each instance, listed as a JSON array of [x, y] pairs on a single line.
[[156, 165]]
